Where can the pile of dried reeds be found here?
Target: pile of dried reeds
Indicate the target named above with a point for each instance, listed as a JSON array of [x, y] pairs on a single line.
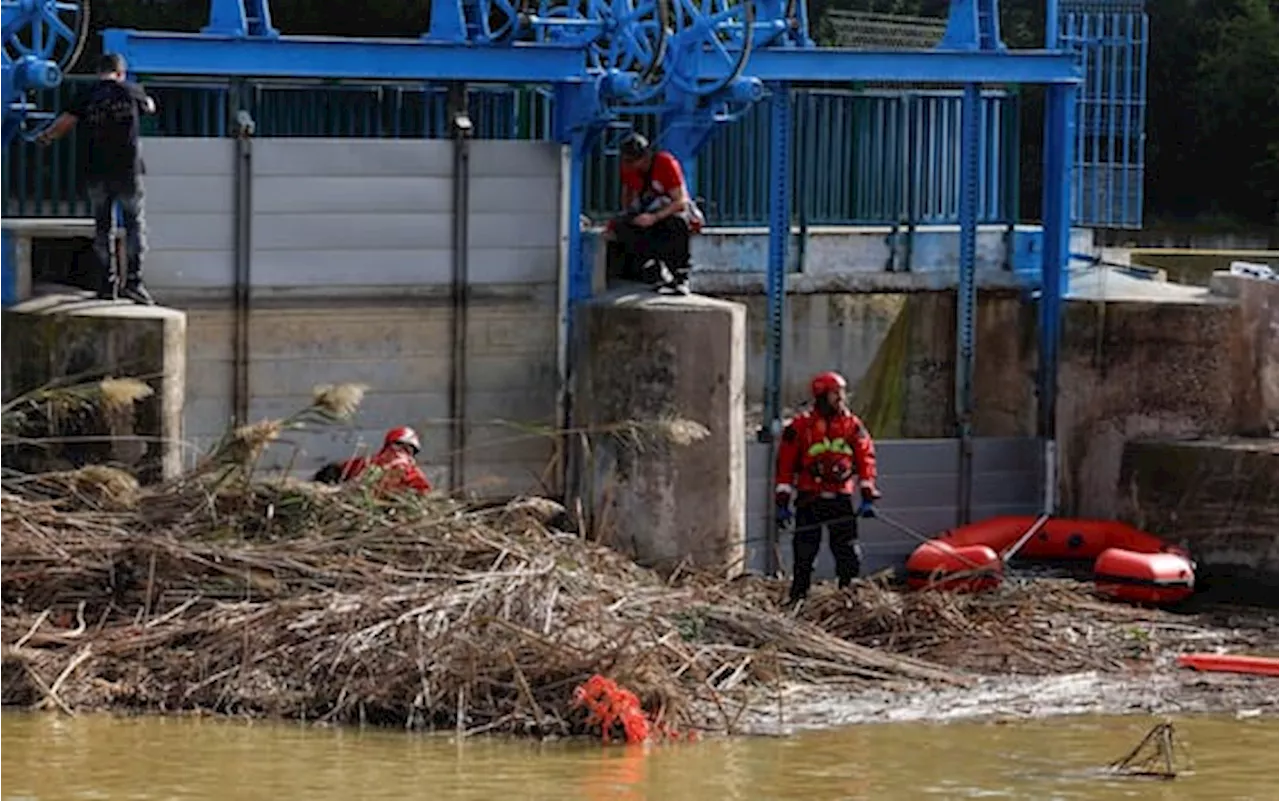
[[290, 599], [1038, 627], [227, 592]]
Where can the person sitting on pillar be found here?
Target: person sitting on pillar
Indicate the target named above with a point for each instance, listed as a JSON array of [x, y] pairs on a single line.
[[113, 170], [396, 464], [825, 454], [652, 231]]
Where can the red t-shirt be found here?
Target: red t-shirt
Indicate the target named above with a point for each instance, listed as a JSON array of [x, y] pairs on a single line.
[[666, 174]]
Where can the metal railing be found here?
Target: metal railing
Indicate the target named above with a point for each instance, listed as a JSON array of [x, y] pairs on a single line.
[[1110, 37], [862, 157]]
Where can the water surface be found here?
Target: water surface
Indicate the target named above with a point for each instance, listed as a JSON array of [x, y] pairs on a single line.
[[102, 757]]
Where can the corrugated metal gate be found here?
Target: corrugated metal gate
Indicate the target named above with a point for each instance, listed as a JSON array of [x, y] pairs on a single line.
[[347, 267], [919, 478]]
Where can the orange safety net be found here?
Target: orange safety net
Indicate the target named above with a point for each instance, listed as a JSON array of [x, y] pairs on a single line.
[[608, 704]]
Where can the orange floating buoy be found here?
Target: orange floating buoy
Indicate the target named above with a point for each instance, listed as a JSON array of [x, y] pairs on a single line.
[[1228, 663], [967, 568], [1151, 578]]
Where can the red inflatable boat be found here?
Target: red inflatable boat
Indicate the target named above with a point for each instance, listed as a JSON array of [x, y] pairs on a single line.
[[968, 568], [1128, 564]]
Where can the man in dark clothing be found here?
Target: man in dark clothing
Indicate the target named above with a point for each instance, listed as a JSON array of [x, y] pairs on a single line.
[[652, 232], [113, 172]]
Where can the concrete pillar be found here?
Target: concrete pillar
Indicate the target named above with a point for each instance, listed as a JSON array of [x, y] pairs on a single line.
[[69, 340], [641, 356]]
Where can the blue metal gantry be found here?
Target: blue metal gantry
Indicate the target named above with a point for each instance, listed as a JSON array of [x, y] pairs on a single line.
[[42, 40], [695, 64]]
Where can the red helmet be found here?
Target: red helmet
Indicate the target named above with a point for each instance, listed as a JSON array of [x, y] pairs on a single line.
[[402, 436], [824, 383]]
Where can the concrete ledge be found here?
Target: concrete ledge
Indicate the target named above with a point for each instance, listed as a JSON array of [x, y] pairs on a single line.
[[51, 227], [18, 234], [1217, 497], [75, 338], [745, 283]]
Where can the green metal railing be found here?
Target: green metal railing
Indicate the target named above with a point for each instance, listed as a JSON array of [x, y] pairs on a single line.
[[862, 157]]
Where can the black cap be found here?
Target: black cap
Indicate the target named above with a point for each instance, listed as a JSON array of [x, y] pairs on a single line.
[[633, 147]]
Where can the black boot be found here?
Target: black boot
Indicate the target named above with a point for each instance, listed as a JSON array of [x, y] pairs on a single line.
[[676, 281], [108, 281], [136, 292]]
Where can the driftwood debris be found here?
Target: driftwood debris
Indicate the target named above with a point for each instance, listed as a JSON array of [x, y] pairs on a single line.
[[289, 599], [1153, 757]]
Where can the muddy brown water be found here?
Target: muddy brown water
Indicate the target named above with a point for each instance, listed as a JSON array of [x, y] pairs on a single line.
[[102, 757]]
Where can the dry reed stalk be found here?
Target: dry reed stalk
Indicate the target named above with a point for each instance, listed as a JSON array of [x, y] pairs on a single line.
[[330, 621]]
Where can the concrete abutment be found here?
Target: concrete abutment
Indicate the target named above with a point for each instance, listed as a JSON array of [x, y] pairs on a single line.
[[63, 341], [667, 496]]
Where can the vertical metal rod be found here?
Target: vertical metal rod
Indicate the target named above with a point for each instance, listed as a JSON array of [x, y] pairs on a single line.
[[243, 280], [776, 283], [460, 289], [1074, 38], [805, 179], [1094, 73], [967, 293], [1114, 102], [1140, 115], [1056, 213], [569, 222], [577, 287], [581, 271], [1127, 129]]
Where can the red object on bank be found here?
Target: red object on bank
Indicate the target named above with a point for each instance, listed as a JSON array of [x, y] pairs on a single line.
[[1228, 663]]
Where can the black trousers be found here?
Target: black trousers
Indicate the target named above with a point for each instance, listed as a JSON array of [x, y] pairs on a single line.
[[666, 241], [838, 515], [129, 193]]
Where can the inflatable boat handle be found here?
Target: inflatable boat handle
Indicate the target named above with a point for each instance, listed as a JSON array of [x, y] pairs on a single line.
[[1031, 532]]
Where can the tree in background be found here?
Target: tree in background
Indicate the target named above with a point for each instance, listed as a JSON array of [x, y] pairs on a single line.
[[1236, 114]]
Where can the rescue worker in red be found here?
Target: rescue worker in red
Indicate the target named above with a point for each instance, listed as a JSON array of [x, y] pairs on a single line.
[[651, 234], [397, 462], [826, 457]]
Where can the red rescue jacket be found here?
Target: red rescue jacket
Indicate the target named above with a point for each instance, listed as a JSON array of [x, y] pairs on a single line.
[[400, 471], [833, 455]]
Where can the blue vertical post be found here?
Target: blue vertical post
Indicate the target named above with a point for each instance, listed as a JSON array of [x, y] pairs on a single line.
[[8, 268], [581, 268], [776, 282], [1056, 215], [240, 18], [967, 292], [779, 238]]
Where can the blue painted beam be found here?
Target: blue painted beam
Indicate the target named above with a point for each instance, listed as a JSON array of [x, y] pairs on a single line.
[[1059, 124], [337, 58], [914, 66], [780, 145]]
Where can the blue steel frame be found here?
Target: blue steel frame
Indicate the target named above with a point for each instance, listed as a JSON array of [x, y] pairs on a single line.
[[38, 45], [1110, 38], [241, 41]]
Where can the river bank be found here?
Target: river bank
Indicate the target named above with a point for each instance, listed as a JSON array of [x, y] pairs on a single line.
[[282, 599]]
